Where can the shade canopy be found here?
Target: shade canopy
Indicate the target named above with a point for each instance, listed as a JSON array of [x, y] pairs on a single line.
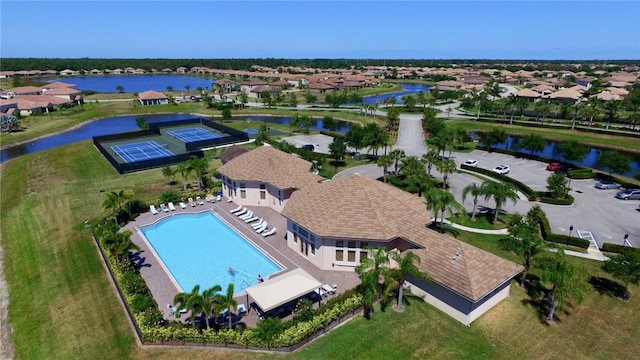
[[282, 289]]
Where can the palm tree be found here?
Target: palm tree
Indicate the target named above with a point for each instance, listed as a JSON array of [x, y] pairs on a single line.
[[523, 241], [565, 280], [128, 195], [501, 192], [371, 269], [446, 167], [512, 102], [119, 244], [411, 166], [475, 190], [208, 300], [192, 302], [441, 201], [114, 202], [170, 89], [406, 268], [624, 267], [188, 87], [226, 301], [397, 155], [183, 169], [169, 173], [430, 158], [199, 166], [385, 161]]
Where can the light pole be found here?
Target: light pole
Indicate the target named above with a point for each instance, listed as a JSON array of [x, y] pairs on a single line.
[[626, 242], [570, 230]]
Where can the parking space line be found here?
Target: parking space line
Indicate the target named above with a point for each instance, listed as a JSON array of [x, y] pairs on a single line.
[[588, 235]]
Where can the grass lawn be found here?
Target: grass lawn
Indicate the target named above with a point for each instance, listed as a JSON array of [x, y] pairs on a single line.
[[62, 306], [482, 221]]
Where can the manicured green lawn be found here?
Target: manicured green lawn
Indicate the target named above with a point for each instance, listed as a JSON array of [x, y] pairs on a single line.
[[482, 221]]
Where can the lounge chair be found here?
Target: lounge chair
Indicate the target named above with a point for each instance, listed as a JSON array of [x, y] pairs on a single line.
[[153, 209], [270, 232], [247, 215], [164, 208], [229, 200], [320, 292], [242, 309], [258, 224], [171, 206], [251, 219], [236, 209], [219, 198], [262, 228], [242, 212], [329, 289], [183, 205], [192, 203], [199, 200], [209, 198]]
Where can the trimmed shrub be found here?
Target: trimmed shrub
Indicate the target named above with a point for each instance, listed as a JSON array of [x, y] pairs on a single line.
[[527, 191], [547, 235], [615, 248], [554, 201]]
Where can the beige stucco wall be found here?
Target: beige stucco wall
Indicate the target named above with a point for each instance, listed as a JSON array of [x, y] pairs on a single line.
[[503, 294], [274, 197]]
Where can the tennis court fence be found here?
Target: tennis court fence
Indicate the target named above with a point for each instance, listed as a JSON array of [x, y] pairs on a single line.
[[124, 168], [232, 135]]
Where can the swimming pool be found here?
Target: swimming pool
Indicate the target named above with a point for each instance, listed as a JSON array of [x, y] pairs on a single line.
[[198, 249]]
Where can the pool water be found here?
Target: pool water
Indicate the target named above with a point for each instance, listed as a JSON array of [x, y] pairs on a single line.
[[198, 249]]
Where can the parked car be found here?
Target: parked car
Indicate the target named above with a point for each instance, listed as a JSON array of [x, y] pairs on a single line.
[[629, 194], [554, 166], [501, 169], [309, 147], [471, 162], [607, 184]]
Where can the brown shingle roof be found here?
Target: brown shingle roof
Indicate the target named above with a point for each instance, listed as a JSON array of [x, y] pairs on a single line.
[[231, 153], [528, 93], [355, 207], [151, 95], [270, 165], [361, 208]]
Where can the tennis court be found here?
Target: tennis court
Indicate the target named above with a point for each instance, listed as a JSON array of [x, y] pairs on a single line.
[[193, 134], [141, 151]]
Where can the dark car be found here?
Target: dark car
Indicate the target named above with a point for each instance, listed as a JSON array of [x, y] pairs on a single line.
[[629, 194], [309, 147], [554, 166], [607, 184]]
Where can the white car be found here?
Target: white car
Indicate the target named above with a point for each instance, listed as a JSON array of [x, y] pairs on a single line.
[[471, 162], [501, 169]]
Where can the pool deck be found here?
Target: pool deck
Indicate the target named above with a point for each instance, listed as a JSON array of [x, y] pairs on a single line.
[[163, 289]]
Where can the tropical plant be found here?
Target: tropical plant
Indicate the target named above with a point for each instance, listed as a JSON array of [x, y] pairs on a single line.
[[565, 279], [384, 161], [183, 169], [523, 241], [397, 155], [474, 190], [406, 267], [614, 162], [226, 301], [532, 142], [119, 244], [572, 150], [411, 166], [500, 192], [446, 167], [192, 302], [114, 202], [372, 271], [558, 185], [120, 88], [199, 166], [430, 158], [268, 329], [208, 302], [624, 267], [337, 151], [442, 201]]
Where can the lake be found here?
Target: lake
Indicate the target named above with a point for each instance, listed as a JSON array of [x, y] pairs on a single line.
[[137, 83], [118, 124], [408, 89]]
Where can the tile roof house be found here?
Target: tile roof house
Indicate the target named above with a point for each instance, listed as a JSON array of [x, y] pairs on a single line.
[[153, 98], [569, 94], [333, 223], [531, 95], [265, 177], [231, 153]]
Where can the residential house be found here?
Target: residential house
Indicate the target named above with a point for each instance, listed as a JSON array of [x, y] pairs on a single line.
[[69, 72], [153, 98], [529, 94]]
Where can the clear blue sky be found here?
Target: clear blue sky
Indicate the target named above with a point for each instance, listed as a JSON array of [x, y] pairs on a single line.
[[579, 30]]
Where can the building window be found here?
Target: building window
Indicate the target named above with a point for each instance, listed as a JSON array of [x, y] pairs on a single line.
[[339, 243], [243, 191], [339, 255], [352, 244], [302, 246], [351, 256], [280, 197], [313, 249], [363, 255], [364, 245], [312, 238], [263, 191], [304, 233]]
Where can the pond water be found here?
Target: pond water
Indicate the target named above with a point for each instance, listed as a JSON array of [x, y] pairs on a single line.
[[114, 125], [590, 160], [408, 89], [137, 83]]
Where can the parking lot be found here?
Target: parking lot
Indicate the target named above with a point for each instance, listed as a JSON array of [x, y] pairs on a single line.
[[594, 210]]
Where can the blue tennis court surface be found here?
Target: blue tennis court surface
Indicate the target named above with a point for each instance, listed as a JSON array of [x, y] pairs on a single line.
[[194, 134], [145, 150]]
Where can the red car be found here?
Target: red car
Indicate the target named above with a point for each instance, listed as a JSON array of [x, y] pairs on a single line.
[[554, 166]]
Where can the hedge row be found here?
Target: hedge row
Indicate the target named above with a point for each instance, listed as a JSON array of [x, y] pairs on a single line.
[[547, 235], [624, 183], [615, 248], [531, 194]]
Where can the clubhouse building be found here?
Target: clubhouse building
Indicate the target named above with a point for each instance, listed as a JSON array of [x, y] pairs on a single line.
[[333, 223]]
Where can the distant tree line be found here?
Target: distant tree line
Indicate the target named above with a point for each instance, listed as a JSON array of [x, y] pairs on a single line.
[[59, 64]]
